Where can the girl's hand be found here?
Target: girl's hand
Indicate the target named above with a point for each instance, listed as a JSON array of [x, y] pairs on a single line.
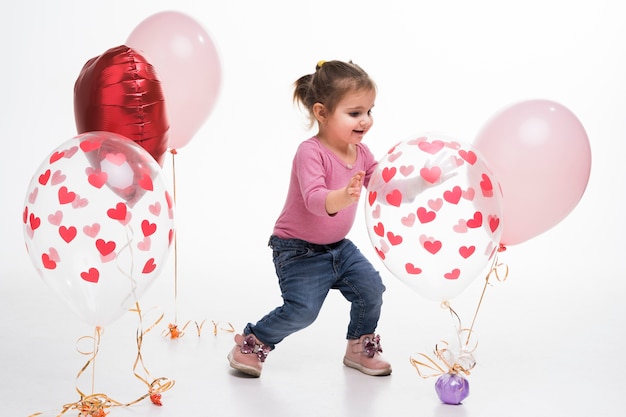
[[355, 185], [341, 198]]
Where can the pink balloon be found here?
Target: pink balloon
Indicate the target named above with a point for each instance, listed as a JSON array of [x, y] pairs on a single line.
[[540, 152], [188, 65]]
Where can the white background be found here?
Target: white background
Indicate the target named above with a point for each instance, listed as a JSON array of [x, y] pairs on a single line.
[[551, 337]]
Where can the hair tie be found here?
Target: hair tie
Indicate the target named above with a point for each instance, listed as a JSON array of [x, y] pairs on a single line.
[[319, 64]]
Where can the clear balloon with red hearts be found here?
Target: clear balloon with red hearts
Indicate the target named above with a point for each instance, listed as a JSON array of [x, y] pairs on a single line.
[[98, 224], [433, 212]]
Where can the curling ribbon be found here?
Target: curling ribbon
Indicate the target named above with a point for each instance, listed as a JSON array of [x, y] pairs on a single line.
[[97, 404], [444, 360], [159, 385], [174, 332]]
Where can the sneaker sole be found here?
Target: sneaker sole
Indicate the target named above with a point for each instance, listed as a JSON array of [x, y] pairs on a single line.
[[246, 369], [368, 371]]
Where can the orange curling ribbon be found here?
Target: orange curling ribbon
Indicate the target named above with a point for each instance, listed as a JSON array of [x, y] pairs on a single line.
[[159, 385], [98, 404], [216, 328], [174, 332]]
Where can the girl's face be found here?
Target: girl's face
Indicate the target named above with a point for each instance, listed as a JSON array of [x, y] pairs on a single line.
[[351, 119]]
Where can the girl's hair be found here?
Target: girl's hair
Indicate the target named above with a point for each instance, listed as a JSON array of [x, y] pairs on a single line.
[[329, 84]]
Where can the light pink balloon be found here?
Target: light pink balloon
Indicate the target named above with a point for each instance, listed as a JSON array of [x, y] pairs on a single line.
[[541, 155], [188, 65]]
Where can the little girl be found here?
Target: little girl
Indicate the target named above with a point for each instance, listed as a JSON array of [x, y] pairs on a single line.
[[310, 251]]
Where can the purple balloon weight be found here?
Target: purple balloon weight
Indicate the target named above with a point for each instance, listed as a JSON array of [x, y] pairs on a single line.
[[452, 388]]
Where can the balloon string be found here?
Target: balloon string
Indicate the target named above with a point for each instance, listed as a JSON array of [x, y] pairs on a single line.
[[444, 361], [158, 385], [493, 270], [130, 234], [174, 153], [97, 404], [92, 360]]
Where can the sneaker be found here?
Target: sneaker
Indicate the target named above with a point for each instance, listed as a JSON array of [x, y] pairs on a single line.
[[364, 354], [248, 355]]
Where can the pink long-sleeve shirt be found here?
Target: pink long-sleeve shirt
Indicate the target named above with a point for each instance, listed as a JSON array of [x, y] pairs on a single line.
[[315, 172]]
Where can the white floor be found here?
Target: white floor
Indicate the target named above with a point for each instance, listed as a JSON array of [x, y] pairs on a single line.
[[540, 352]]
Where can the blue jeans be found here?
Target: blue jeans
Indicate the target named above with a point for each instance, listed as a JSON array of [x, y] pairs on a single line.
[[306, 272]]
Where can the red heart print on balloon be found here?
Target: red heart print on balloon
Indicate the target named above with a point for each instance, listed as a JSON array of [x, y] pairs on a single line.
[[485, 186], [467, 251], [56, 156], [494, 222], [469, 156], [149, 267], [92, 275], [146, 182], [379, 229], [453, 196], [97, 178], [67, 233], [116, 158], [371, 198], [394, 239], [388, 174], [475, 221], [43, 178], [412, 269], [425, 216], [105, 247], [454, 274], [118, 212], [431, 175], [48, 263], [35, 221], [148, 228], [89, 145], [431, 147], [432, 246], [394, 198], [66, 196]]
